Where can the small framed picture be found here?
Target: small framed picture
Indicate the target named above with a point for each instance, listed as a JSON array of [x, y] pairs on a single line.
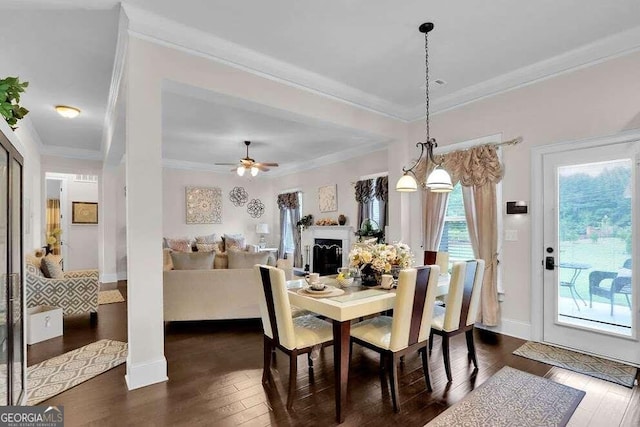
[[84, 213]]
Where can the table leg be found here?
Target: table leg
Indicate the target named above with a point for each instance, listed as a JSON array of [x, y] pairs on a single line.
[[341, 338]]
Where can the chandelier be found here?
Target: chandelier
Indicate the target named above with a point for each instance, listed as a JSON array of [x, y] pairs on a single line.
[[438, 180]]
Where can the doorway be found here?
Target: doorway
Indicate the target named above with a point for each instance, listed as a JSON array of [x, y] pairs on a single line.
[[587, 246]]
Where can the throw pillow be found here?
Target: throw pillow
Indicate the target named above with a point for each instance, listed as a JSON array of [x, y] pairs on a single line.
[[167, 264], [182, 244], [211, 238], [51, 267], [221, 261], [241, 259], [234, 241], [206, 247], [192, 261]]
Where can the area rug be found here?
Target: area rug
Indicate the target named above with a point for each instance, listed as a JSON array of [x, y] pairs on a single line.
[[109, 297], [513, 398], [60, 373], [597, 367]]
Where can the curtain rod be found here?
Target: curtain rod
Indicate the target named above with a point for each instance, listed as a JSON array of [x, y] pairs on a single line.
[[451, 148]]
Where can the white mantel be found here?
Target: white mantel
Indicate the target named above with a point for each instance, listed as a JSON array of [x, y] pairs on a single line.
[[336, 232]]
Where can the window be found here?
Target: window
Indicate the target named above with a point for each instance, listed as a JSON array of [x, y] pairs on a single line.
[[289, 245], [455, 237], [374, 210]]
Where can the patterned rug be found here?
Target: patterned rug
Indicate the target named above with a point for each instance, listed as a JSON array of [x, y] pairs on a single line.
[[583, 363], [60, 373], [109, 297], [513, 398]]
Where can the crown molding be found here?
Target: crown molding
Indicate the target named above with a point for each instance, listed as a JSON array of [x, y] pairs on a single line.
[[158, 29], [605, 49], [71, 153]]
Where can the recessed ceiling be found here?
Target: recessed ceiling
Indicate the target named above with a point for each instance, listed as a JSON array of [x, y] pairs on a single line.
[[208, 128], [370, 49]]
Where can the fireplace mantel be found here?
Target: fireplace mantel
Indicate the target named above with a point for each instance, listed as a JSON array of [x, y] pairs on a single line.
[[344, 233]]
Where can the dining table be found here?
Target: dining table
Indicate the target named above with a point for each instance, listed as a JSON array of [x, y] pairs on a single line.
[[357, 301]]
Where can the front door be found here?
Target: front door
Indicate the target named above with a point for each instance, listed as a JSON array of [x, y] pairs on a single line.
[[590, 244]]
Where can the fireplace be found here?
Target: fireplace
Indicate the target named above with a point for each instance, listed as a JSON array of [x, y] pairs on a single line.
[[327, 256], [334, 233]]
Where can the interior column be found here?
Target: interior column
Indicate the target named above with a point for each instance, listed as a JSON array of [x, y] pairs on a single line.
[[107, 225]]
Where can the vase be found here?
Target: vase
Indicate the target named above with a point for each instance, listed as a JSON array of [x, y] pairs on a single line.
[[369, 276]]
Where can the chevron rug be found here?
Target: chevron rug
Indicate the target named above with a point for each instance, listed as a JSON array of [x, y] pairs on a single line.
[[583, 363], [60, 373], [513, 398], [110, 297]]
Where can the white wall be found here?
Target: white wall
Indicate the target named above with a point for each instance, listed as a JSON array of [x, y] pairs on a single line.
[[121, 224], [235, 219], [82, 240], [595, 101]]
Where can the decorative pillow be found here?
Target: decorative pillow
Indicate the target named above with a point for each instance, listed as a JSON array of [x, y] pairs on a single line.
[[221, 261], [241, 259], [211, 238], [206, 247], [192, 261], [51, 267], [234, 241], [180, 244], [167, 263]]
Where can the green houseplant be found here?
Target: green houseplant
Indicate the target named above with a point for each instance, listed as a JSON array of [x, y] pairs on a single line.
[[10, 90]]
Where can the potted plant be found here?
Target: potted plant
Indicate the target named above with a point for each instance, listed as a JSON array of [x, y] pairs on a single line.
[[305, 221], [10, 90]]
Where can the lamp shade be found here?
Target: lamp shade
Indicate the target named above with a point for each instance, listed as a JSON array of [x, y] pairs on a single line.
[[254, 171], [262, 228], [407, 183], [439, 181], [240, 170]]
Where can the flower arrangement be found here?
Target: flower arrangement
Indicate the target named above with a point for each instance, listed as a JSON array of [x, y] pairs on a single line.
[[305, 221], [381, 257], [53, 237]]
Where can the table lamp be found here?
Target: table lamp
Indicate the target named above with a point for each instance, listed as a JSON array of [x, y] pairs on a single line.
[[262, 229]]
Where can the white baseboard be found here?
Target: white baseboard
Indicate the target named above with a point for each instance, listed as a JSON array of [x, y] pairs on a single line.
[[513, 328], [145, 374], [122, 275], [108, 278]]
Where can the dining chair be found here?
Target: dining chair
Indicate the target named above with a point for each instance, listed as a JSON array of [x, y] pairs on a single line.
[[461, 309], [293, 336], [408, 330]]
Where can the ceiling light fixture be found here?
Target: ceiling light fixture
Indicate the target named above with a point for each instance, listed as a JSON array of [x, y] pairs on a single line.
[[67, 112], [439, 180], [240, 170]]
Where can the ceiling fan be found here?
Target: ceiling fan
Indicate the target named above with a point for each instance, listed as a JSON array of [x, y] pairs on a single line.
[[249, 164]]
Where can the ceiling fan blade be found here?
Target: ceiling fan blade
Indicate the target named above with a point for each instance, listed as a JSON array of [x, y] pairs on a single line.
[[262, 167], [271, 164], [225, 164]]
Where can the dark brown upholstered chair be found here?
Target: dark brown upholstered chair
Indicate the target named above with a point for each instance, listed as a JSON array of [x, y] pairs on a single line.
[[620, 284]]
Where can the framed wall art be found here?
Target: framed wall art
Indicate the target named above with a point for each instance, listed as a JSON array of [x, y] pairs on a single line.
[[203, 205], [84, 213], [328, 198]]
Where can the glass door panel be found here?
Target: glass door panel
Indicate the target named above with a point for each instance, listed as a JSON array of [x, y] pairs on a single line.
[[4, 273], [17, 323]]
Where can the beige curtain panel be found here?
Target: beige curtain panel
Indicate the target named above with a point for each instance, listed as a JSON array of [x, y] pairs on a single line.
[[53, 221]]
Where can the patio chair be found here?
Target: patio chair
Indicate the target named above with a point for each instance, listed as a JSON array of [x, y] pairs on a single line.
[[620, 284]]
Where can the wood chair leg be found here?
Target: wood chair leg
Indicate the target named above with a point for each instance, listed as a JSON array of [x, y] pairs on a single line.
[[266, 369], [425, 368], [430, 341], [393, 377], [293, 377], [445, 356], [471, 348], [310, 361]]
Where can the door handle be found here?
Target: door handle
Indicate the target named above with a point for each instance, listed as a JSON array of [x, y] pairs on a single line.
[[549, 263]]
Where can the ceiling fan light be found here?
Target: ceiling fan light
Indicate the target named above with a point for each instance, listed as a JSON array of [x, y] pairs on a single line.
[[240, 170], [67, 112], [254, 171], [439, 181], [407, 183]]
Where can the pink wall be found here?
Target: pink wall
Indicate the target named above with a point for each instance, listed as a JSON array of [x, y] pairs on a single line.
[[595, 101]]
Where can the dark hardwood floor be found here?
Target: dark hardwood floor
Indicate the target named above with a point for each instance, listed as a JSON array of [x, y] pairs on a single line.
[[215, 380]]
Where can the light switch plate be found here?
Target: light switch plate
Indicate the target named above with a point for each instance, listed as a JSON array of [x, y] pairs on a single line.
[[511, 235]]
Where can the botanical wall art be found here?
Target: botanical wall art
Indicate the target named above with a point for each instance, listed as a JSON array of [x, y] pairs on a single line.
[[204, 205], [84, 213], [327, 198], [238, 196], [255, 208]]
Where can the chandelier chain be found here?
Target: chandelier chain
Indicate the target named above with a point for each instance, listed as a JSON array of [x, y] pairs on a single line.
[[426, 90]]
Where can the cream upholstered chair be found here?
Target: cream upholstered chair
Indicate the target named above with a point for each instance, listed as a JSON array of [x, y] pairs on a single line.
[[461, 309], [408, 329], [294, 336]]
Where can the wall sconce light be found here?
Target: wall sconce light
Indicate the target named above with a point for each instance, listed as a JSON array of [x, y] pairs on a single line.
[[519, 207]]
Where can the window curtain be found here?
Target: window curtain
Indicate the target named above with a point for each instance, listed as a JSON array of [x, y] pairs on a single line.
[[434, 208], [382, 194], [290, 202], [53, 221], [364, 193], [479, 171]]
